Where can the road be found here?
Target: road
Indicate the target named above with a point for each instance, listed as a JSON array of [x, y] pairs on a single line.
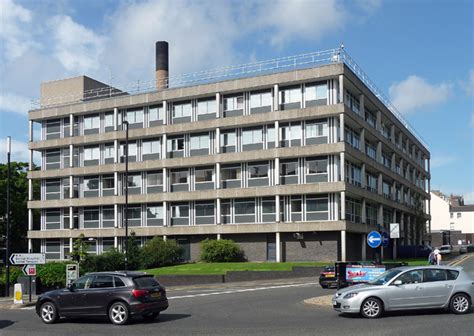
[[250, 309]]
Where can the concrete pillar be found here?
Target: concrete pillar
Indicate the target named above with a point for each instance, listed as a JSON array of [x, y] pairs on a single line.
[[116, 216], [30, 165], [30, 245], [165, 113], [115, 242], [392, 167], [116, 151], [116, 183], [217, 174], [164, 146], [343, 245], [71, 126], [218, 236], [341, 127], [218, 105], [362, 140], [363, 179], [275, 97], [392, 134], [362, 105], [218, 211], [341, 88], [380, 215], [277, 134], [30, 189], [30, 219], [364, 247], [71, 218], [71, 245], [278, 246], [218, 140], [394, 190], [115, 118], [165, 179], [378, 122], [30, 130], [379, 152], [71, 157], [342, 168], [277, 171], [71, 186], [277, 208], [379, 184], [343, 205], [363, 214], [165, 238]]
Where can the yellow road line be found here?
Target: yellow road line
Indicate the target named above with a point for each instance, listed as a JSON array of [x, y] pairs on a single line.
[[457, 262]]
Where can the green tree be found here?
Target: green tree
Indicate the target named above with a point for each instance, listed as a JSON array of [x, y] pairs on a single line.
[[157, 253], [79, 249], [224, 250], [134, 252], [18, 205]]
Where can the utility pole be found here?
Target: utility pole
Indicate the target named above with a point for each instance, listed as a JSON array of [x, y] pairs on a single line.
[[125, 123], [7, 252]]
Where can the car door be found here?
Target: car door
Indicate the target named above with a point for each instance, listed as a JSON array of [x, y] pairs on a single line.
[[409, 294], [436, 286], [72, 301], [99, 293]]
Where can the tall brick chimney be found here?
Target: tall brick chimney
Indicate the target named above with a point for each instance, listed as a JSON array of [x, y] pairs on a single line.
[[161, 65]]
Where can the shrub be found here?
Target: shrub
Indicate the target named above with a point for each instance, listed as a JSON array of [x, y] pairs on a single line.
[[157, 253], [111, 260], [52, 274], [15, 272], [223, 250]]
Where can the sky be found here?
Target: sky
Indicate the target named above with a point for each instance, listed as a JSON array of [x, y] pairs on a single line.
[[418, 52]]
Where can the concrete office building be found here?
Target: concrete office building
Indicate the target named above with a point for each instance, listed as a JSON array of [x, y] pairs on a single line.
[[294, 164]]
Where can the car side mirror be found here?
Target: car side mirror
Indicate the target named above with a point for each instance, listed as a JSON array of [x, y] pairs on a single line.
[[397, 283]]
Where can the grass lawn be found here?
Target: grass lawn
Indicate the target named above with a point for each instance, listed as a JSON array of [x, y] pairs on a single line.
[[222, 268]]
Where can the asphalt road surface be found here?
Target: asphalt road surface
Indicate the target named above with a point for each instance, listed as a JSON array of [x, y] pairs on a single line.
[[250, 309]]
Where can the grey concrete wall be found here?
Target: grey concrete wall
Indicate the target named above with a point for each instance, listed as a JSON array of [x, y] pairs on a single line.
[[254, 245], [322, 246]]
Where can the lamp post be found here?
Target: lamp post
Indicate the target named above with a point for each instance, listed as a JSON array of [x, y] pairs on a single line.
[[7, 251], [125, 123]]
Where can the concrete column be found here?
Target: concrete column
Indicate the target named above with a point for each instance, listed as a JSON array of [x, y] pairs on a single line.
[[218, 105], [71, 218], [30, 219], [30, 189], [362, 140], [378, 122], [218, 211], [364, 247], [116, 215], [30, 244], [30, 130], [115, 242], [380, 215], [30, 165], [71, 126], [218, 236], [165, 113], [277, 134], [116, 151], [362, 105], [71, 157], [341, 88], [277, 171], [218, 141], [165, 238], [393, 162], [71, 245], [379, 152], [275, 97], [394, 191], [278, 246], [343, 205], [363, 177], [165, 214], [343, 245], [341, 127], [165, 179], [116, 183], [115, 118], [392, 134], [277, 208], [363, 214], [379, 184], [164, 146], [71, 186], [342, 168], [217, 175]]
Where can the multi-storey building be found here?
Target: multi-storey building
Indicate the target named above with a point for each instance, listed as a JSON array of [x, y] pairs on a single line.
[[293, 165]]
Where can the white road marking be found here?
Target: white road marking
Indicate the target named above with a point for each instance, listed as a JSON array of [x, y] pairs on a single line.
[[233, 291], [28, 308]]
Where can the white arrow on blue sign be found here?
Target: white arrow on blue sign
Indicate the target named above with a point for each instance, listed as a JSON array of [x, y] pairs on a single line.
[[385, 239], [374, 239]]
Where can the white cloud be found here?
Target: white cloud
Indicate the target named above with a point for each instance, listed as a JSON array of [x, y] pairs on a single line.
[[14, 103], [469, 85], [438, 161], [415, 93], [77, 48], [15, 39], [19, 152]]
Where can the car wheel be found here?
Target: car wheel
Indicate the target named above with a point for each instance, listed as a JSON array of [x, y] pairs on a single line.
[[460, 304], [150, 316], [118, 313], [49, 313], [371, 308]]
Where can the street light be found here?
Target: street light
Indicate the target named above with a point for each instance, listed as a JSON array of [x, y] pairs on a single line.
[[125, 123], [7, 252]]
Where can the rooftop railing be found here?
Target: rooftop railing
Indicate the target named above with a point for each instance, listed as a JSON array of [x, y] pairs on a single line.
[[302, 61]]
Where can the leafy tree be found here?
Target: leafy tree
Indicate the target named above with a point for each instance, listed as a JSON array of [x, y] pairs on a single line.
[[157, 253], [134, 252], [224, 250], [18, 205], [79, 249]]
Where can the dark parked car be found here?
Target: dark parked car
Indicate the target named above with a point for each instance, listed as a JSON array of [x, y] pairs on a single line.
[[470, 248], [118, 295], [327, 278]]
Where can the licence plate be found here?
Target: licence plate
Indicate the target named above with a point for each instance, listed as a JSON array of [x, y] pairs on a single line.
[[330, 275], [156, 294]]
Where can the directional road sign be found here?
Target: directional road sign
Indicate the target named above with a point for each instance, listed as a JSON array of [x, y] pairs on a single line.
[[29, 270], [27, 258], [385, 239], [394, 230], [374, 239]]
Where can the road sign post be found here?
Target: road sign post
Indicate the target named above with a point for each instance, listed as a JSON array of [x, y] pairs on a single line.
[[27, 258], [394, 234], [29, 271]]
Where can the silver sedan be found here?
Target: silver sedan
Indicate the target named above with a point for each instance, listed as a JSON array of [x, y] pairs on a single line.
[[405, 288]]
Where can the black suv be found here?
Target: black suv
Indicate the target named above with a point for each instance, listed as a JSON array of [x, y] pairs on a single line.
[[118, 295]]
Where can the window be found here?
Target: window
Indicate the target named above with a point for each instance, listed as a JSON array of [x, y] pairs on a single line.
[[154, 179], [386, 160], [132, 151], [230, 173], [108, 217], [204, 212], [53, 189], [66, 187], [228, 141], [151, 147], [316, 166], [411, 277], [252, 136], [134, 116], [91, 123], [109, 153], [156, 113], [181, 110], [134, 215], [134, 181], [260, 99], [352, 102], [386, 189], [91, 218], [53, 129], [91, 154], [371, 151], [353, 210], [155, 214], [316, 129], [271, 135], [179, 177], [53, 159], [91, 183], [353, 174], [452, 275], [352, 137], [290, 95], [244, 208], [316, 204], [289, 168], [268, 207], [290, 135], [296, 208], [370, 214], [226, 209], [451, 215], [316, 92], [176, 144], [109, 121], [200, 141], [206, 106], [370, 118], [52, 219], [83, 282], [372, 182], [203, 175], [66, 127], [433, 275], [258, 170], [180, 211], [233, 103], [108, 182]]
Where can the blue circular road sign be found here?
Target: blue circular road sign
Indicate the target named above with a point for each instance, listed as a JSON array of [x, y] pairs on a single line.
[[374, 239], [385, 239]]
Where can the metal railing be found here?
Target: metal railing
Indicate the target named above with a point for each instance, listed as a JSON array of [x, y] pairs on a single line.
[[337, 55]]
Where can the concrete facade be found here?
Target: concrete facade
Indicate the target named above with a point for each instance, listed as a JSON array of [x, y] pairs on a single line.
[[293, 166]]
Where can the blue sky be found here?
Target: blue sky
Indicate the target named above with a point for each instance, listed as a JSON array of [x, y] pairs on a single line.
[[419, 52]]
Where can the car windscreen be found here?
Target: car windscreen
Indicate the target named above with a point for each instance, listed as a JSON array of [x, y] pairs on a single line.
[[385, 277], [145, 281]]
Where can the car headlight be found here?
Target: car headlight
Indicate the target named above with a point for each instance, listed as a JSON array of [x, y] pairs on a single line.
[[350, 295]]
